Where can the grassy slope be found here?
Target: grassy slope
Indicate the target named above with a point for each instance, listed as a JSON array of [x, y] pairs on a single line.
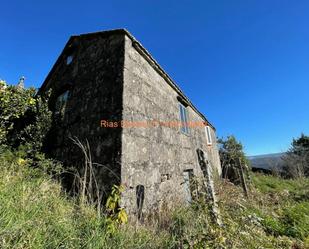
[[34, 213], [286, 208], [275, 216]]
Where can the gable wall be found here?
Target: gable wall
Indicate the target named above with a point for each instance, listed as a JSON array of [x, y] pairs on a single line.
[[94, 80]]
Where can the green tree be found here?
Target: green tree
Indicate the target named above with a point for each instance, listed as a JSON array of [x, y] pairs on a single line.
[[24, 118], [232, 158], [297, 158]]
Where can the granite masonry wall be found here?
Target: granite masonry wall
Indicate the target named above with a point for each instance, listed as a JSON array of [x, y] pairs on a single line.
[[94, 81], [111, 77], [156, 157]]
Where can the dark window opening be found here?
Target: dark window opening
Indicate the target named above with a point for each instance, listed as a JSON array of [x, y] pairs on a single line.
[[61, 103], [183, 118], [69, 59], [140, 195]]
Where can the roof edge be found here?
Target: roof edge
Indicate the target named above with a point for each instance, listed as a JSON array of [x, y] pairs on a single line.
[[139, 47]]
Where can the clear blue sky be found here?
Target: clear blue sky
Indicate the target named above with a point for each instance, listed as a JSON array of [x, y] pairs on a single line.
[[245, 64]]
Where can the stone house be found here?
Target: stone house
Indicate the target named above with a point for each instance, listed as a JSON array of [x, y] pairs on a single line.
[[141, 128]]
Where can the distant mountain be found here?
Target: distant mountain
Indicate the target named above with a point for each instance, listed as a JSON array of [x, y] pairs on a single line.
[[267, 161]]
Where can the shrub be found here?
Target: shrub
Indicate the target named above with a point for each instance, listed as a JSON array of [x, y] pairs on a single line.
[[24, 118]]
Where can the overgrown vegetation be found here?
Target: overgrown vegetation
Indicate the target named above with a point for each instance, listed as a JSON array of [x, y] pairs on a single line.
[[288, 211], [235, 165], [36, 213], [24, 118], [232, 158]]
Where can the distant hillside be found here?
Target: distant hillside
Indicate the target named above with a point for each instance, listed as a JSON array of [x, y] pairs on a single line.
[[267, 161]]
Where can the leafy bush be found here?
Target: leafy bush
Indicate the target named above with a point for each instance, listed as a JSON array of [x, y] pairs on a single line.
[[24, 118], [232, 159], [117, 215]]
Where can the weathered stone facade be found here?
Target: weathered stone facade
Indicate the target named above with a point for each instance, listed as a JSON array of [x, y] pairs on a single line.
[[113, 78]]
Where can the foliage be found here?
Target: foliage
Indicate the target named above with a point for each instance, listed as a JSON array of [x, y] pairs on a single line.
[[35, 213], [232, 158], [293, 221], [193, 228], [290, 200], [24, 118], [116, 214], [276, 216], [232, 150], [300, 144], [297, 158]]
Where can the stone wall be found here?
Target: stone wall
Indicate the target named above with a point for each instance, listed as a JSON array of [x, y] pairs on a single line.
[[110, 79], [155, 157], [94, 80]]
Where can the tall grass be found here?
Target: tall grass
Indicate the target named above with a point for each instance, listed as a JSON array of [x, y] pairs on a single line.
[[36, 213]]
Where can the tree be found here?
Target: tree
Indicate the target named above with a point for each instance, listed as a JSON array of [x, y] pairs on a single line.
[[24, 118], [297, 158], [232, 158]]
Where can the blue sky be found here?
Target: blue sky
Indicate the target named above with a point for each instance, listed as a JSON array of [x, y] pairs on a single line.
[[244, 64]]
